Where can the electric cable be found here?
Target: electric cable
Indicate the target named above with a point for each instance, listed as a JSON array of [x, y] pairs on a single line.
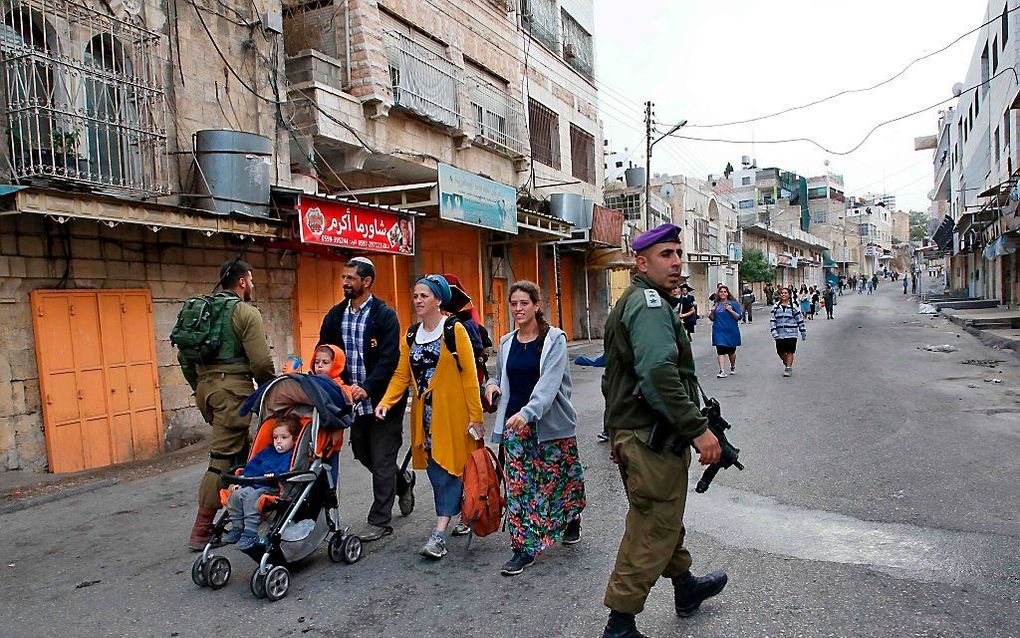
[[858, 90], [866, 137]]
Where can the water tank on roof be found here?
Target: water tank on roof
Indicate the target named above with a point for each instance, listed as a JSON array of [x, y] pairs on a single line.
[[233, 172], [571, 207], [634, 177]]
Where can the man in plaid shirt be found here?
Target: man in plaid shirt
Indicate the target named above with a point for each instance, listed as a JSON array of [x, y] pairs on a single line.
[[368, 332]]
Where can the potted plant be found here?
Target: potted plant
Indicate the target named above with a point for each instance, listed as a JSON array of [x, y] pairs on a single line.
[[65, 157]]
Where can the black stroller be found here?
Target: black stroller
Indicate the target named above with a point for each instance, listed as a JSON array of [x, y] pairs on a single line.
[[304, 512]]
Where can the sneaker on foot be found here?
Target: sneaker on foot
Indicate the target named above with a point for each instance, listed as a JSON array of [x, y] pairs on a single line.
[[461, 529], [721, 375], [602, 437], [517, 563], [572, 535], [435, 546], [248, 540], [232, 536], [788, 372], [733, 370]]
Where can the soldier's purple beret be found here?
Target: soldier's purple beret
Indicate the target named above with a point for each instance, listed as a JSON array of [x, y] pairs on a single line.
[[657, 235]]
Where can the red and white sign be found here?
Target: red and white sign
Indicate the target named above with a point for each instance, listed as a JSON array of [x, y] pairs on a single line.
[[331, 223]]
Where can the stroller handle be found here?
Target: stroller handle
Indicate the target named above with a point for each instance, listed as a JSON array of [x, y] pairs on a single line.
[[254, 480]]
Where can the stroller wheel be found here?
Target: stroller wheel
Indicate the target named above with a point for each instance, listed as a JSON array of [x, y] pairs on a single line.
[[351, 547], [198, 572], [217, 571], [277, 582], [258, 584], [336, 550]]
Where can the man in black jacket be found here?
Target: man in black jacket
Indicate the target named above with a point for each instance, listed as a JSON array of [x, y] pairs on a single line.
[[368, 332]]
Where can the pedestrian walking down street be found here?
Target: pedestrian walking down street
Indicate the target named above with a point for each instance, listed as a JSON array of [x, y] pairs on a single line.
[[906, 283], [446, 412], [805, 307], [536, 426], [725, 316], [368, 332], [650, 378], [223, 381], [913, 282], [815, 299], [829, 299], [746, 302], [769, 293], [785, 322], [871, 285], [874, 282], [688, 309]]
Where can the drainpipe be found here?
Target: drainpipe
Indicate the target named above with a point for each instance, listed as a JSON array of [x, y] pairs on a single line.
[[347, 42]]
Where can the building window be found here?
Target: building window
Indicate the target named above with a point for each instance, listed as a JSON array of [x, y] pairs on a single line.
[[984, 74], [582, 155], [745, 203], [995, 54], [498, 116], [538, 17], [995, 138], [1005, 132], [545, 134], [818, 192], [1005, 25], [745, 181], [578, 49], [619, 165]]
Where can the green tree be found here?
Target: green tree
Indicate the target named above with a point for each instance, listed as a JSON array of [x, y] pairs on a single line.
[[754, 267], [918, 225]]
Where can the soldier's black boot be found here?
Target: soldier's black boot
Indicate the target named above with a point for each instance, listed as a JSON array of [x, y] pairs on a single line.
[[690, 591], [621, 625]]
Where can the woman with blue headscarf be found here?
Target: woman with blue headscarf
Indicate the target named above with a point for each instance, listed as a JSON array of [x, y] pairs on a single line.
[[446, 412]]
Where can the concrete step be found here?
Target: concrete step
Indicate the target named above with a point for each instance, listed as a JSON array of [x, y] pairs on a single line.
[[966, 304]]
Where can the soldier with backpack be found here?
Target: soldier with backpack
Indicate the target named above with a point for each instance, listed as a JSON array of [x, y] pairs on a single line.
[[222, 349]]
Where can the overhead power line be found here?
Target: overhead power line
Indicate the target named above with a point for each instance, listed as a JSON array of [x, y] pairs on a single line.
[[858, 90], [866, 137]]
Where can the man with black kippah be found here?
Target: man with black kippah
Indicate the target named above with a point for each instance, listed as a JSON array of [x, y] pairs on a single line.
[[650, 380]]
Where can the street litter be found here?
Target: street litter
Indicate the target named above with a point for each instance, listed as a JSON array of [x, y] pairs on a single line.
[[987, 363], [87, 583], [926, 309], [943, 348]]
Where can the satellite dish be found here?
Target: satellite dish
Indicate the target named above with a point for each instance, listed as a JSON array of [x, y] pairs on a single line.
[[667, 190], [957, 89], [826, 162]]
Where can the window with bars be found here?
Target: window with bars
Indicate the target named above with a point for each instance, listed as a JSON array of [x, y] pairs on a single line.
[[578, 48], [545, 134], [498, 117], [538, 17], [582, 154]]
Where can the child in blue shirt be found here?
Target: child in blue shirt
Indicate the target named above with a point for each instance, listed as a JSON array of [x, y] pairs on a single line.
[[243, 502]]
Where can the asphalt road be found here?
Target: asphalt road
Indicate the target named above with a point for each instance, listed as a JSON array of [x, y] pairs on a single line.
[[880, 499]]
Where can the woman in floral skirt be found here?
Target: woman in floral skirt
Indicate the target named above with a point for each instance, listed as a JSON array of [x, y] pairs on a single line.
[[535, 424]]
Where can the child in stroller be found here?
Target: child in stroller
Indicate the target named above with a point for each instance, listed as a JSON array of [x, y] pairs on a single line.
[[243, 502], [302, 512]]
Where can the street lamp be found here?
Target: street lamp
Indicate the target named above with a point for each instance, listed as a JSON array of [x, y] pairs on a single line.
[[648, 166]]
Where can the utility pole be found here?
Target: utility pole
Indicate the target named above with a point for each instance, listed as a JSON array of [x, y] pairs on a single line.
[[648, 164]]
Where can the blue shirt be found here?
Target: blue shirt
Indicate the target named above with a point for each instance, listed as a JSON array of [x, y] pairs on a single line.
[[268, 461], [725, 331]]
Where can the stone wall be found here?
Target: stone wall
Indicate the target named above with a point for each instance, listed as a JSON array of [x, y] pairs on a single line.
[[172, 264]]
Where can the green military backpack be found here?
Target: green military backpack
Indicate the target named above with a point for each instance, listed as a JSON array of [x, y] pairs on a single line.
[[199, 332]]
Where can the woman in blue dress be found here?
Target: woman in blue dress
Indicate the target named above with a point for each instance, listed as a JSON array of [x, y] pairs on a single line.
[[725, 316]]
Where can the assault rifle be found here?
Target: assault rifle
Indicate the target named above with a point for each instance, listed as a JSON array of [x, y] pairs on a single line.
[[729, 457]]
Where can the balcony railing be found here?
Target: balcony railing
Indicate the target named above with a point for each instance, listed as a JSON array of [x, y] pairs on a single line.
[[84, 97], [498, 118], [538, 17], [423, 81]]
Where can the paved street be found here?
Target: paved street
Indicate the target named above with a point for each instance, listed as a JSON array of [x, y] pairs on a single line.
[[880, 499]]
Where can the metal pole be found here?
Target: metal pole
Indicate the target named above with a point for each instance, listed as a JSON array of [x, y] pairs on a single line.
[[648, 164]]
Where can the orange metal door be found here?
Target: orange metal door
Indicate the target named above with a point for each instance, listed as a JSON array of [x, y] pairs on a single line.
[[499, 309], [96, 352], [319, 287], [567, 297]]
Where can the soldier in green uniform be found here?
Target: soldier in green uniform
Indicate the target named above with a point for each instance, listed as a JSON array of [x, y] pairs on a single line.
[[649, 379], [223, 382]]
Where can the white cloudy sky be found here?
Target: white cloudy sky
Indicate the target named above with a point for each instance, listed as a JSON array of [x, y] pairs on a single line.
[[710, 61]]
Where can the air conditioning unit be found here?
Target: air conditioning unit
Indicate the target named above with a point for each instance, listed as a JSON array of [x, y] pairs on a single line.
[[569, 51]]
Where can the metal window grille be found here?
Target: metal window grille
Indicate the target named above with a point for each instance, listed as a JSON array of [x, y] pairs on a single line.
[[539, 19], [628, 204], [582, 154], [544, 125], [423, 81], [498, 118], [578, 47], [84, 97]]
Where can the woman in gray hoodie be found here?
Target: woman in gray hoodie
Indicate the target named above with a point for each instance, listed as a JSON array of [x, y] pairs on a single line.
[[535, 425]]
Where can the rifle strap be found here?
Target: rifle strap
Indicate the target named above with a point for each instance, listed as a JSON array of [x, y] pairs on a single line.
[[704, 397]]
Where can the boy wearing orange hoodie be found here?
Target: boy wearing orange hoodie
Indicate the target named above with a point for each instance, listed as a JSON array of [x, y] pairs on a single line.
[[329, 361]]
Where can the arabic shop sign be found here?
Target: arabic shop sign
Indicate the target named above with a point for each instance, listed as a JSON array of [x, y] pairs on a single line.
[[328, 222], [469, 199]]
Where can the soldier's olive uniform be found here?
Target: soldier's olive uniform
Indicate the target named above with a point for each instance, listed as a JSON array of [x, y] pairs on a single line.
[[222, 385], [649, 378]]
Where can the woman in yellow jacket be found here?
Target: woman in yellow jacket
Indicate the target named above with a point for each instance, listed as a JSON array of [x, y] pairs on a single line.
[[447, 406]]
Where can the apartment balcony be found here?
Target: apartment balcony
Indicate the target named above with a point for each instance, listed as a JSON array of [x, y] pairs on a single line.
[[424, 82], [499, 120], [84, 99]]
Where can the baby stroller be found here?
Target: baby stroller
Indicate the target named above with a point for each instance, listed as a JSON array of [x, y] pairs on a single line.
[[297, 520]]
